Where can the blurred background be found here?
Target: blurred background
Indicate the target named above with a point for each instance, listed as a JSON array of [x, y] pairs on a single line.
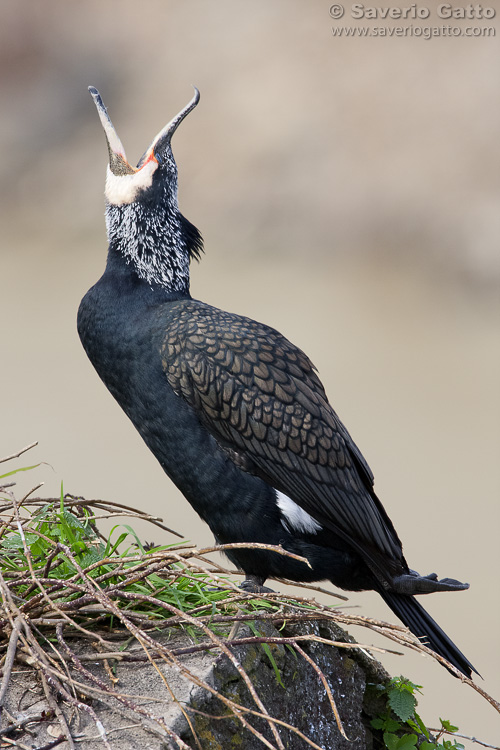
[[348, 193]]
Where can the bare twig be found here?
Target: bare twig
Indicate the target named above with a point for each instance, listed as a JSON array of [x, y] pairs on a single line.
[[19, 453], [464, 737], [52, 744], [55, 708], [9, 659], [15, 743], [22, 723]]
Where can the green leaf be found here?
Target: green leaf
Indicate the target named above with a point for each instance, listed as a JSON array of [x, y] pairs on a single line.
[[421, 726], [391, 725], [451, 745], [407, 742], [391, 741], [121, 538], [387, 724], [448, 726], [427, 746], [403, 683], [90, 557], [402, 703]]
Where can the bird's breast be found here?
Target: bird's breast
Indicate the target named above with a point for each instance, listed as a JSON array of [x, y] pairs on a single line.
[[122, 340]]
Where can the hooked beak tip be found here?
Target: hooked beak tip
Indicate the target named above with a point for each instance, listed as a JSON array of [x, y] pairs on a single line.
[[117, 158], [95, 96]]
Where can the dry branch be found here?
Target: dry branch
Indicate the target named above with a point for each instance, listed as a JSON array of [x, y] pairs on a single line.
[[36, 604]]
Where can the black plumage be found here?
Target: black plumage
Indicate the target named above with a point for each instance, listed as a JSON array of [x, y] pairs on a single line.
[[235, 414]]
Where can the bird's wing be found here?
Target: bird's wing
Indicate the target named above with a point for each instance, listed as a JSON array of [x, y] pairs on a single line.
[[261, 398]]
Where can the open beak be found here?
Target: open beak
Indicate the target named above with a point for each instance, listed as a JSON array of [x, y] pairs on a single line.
[[162, 141], [118, 162]]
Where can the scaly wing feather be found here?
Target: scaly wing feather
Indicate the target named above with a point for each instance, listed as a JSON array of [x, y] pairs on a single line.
[[262, 400]]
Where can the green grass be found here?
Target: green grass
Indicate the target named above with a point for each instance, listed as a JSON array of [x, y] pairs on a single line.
[[58, 550]]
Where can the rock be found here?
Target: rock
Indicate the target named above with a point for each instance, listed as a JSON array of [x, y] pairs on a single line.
[[295, 695]]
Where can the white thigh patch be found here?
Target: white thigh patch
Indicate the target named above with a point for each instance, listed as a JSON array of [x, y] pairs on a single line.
[[295, 516]]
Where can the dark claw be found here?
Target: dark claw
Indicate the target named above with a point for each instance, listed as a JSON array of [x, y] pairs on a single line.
[[453, 585], [254, 585]]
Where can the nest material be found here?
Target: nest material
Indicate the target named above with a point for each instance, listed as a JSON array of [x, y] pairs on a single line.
[[133, 596]]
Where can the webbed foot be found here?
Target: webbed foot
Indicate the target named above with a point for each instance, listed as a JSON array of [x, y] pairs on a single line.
[[413, 583]]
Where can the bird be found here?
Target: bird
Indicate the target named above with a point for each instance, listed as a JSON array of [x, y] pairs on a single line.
[[235, 413]]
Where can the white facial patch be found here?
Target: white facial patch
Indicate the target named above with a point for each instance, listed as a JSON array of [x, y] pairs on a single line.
[[123, 189], [295, 516]]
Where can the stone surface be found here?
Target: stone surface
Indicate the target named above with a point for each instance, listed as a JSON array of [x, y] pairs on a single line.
[[300, 700]]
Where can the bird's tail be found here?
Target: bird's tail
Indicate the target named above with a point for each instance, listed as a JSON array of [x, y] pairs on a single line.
[[421, 624]]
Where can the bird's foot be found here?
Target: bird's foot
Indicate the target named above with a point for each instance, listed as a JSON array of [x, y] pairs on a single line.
[[254, 585], [413, 583]]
